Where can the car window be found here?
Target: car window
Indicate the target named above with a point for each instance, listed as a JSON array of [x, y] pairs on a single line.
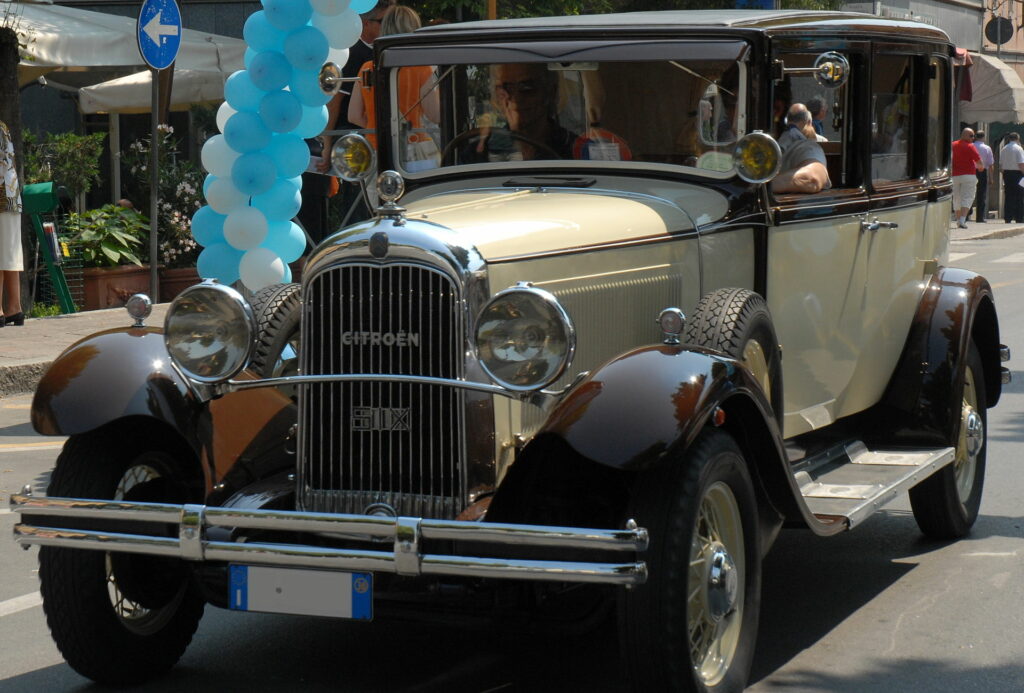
[[938, 117], [685, 112], [892, 110], [829, 111]]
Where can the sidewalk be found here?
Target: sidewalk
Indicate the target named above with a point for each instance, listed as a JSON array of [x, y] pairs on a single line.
[[27, 351]]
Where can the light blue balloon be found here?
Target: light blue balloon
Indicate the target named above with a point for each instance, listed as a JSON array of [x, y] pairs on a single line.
[[289, 153], [362, 6], [247, 57], [261, 35], [270, 71], [287, 278], [245, 132], [208, 226], [306, 48], [254, 173], [286, 239], [219, 261], [282, 201], [287, 15], [281, 111], [305, 84], [241, 94], [206, 184], [313, 122]]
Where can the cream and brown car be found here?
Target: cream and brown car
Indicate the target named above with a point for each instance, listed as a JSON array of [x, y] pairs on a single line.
[[580, 343]]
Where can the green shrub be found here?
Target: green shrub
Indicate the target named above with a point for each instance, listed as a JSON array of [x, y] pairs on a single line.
[[109, 236]]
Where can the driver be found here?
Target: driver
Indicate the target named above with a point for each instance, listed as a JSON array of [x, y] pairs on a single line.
[[526, 94]]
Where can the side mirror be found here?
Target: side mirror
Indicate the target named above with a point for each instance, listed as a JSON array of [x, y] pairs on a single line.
[[833, 69]]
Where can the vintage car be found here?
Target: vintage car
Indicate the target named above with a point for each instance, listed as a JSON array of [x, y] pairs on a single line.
[[592, 363]]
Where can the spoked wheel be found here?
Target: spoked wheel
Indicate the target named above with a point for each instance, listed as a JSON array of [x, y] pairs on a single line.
[[737, 322], [692, 626], [946, 504], [117, 618]]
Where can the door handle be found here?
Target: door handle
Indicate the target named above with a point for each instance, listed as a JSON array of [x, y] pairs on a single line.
[[875, 224]]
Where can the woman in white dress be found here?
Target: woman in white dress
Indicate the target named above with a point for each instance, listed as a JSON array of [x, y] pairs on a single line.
[[11, 260]]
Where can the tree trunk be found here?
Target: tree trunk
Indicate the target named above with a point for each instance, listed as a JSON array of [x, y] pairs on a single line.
[[10, 113]]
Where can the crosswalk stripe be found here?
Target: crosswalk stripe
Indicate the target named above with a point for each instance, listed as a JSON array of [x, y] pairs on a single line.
[[1012, 257], [953, 257], [26, 601]]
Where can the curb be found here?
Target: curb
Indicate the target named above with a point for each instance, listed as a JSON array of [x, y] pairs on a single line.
[[998, 233], [22, 379]]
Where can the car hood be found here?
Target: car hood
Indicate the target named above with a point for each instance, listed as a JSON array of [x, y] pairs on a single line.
[[505, 224]]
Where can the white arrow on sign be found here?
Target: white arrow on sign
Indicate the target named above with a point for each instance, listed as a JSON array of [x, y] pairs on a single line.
[[154, 29]]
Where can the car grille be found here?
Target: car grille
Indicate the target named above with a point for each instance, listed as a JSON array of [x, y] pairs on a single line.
[[370, 442]]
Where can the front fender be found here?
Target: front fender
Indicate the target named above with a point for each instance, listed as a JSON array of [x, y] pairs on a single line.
[[648, 403], [921, 405], [111, 375]]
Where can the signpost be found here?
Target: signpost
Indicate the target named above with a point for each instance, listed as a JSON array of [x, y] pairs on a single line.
[[159, 35]]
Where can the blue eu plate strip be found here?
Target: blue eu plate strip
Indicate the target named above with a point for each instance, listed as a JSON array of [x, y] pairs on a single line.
[[239, 581], [362, 596]]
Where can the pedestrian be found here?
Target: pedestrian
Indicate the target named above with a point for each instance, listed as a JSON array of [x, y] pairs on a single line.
[[816, 105], [988, 163], [966, 164], [11, 259], [337, 107], [1011, 161]]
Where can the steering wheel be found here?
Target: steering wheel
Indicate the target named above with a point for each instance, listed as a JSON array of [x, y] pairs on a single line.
[[464, 137]]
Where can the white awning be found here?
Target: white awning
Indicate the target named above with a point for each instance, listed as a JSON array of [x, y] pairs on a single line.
[[133, 93], [998, 92], [69, 40]]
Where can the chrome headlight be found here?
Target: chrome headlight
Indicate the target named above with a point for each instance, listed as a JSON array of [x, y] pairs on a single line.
[[524, 338], [209, 332]]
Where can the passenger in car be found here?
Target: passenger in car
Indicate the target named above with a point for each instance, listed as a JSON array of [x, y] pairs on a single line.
[[803, 160]]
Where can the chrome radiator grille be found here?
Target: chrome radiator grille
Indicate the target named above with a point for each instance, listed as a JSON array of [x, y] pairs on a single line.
[[370, 442]]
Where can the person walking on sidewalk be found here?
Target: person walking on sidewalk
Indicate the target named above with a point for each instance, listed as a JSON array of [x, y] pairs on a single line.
[[984, 175], [11, 259], [966, 164], [1011, 160]]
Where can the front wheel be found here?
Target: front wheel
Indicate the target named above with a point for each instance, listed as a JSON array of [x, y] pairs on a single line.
[[117, 618], [946, 504], [692, 626]]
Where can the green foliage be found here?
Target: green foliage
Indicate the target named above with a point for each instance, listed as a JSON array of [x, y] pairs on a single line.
[[44, 310], [109, 236], [510, 9], [67, 159]]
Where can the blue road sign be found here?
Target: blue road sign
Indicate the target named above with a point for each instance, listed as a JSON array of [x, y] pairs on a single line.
[[159, 32]]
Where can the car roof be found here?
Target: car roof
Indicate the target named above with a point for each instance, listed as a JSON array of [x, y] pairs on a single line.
[[770, 21]]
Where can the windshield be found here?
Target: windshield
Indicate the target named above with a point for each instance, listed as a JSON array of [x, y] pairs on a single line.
[[674, 112]]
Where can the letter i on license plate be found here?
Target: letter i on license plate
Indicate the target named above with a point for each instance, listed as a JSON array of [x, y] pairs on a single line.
[[301, 591]]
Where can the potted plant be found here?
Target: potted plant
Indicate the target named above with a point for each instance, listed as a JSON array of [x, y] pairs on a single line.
[[112, 241], [179, 195]]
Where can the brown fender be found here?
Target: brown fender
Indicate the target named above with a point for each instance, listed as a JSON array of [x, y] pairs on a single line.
[[921, 405], [124, 377], [648, 405]]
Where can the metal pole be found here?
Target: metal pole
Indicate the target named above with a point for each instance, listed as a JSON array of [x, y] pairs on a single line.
[[154, 179]]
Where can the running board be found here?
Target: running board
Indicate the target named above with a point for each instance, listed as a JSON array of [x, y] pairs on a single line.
[[848, 482]]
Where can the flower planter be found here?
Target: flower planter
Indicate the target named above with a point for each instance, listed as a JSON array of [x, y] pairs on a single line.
[[111, 287], [174, 281]]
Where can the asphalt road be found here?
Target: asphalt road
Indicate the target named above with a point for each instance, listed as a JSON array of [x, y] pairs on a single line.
[[877, 609]]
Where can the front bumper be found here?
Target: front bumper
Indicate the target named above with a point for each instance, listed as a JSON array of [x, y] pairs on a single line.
[[404, 556]]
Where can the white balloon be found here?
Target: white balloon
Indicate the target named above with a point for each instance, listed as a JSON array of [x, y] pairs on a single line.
[[261, 267], [217, 156], [223, 113], [329, 7], [245, 228], [338, 56], [341, 30], [224, 197]]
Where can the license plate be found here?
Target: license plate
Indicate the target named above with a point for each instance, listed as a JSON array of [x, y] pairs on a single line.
[[301, 591]]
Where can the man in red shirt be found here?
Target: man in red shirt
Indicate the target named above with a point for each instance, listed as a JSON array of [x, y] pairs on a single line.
[[966, 164]]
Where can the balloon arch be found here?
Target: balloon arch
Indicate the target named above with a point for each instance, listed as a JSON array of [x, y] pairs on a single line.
[[255, 166]]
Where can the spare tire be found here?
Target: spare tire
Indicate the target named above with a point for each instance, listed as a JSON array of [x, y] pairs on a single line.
[[737, 322], [278, 313]]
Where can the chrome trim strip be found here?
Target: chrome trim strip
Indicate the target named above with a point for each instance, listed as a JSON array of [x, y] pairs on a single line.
[[1004, 353], [405, 556]]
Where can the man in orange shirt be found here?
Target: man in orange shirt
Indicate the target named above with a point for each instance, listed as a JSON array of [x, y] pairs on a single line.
[[966, 164]]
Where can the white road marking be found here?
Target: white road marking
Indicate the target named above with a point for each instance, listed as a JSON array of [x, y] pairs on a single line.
[[992, 554], [1012, 257], [953, 257], [26, 447], [26, 601]]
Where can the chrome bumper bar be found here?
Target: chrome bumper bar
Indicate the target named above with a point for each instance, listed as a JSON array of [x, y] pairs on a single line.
[[403, 558]]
